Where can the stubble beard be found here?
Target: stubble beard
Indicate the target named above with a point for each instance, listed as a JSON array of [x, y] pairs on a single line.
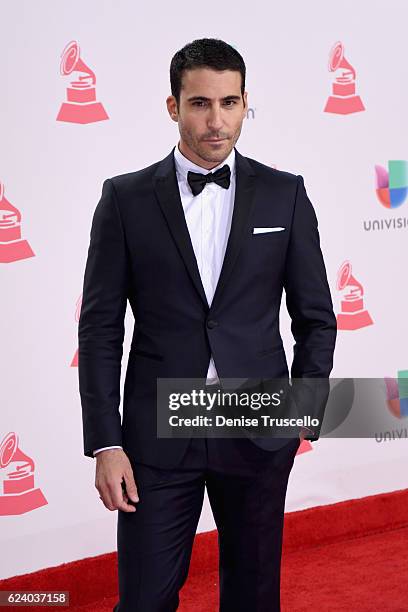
[[201, 150]]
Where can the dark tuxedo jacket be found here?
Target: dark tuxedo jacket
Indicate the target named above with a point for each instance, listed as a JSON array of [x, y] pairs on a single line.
[[140, 250]]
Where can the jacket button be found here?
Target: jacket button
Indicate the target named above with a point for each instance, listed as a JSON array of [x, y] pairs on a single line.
[[211, 323]]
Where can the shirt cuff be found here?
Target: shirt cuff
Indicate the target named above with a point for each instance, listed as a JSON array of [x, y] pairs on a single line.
[[104, 448]]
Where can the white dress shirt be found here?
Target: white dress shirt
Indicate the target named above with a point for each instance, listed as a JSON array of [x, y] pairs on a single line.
[[208, 216]]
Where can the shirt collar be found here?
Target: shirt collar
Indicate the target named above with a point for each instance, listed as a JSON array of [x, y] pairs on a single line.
[[184, 165]]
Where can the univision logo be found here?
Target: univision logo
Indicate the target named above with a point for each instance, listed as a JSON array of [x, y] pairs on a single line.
[[391, 186], [397, 404], [397, 394]]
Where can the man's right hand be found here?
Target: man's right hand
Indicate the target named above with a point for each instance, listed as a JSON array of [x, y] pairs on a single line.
[[112, 468]]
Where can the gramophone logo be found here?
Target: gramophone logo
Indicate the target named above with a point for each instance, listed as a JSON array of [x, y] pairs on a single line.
[[304, 447], [392, 184], [344, 99], [12, 246], [74, 362], [81, 105], [353, 315], [17, 491]]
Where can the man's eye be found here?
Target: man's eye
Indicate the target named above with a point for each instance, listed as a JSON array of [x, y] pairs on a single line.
[[226, 102]]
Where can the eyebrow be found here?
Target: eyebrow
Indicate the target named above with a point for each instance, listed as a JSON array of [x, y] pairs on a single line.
[[194, 98]]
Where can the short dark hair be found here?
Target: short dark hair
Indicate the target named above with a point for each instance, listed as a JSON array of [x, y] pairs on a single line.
[[204, 53]]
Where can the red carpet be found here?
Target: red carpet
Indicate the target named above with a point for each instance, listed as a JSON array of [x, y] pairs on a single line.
[[350, 556]]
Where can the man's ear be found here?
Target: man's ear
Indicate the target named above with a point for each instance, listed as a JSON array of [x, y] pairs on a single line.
[[245, 101], [172, 107]]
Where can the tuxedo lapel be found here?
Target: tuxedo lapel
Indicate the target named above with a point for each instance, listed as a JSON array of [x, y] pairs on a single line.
[[168, 195], [243, 203]]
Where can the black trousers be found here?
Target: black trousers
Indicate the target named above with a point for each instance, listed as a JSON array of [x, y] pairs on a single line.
[[246, 487]]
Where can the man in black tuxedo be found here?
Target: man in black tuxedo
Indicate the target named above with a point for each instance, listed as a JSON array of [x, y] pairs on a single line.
[[202, 244]]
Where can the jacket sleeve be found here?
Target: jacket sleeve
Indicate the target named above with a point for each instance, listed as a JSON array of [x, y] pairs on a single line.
[[101, 325], [309, 303], [308, 298]]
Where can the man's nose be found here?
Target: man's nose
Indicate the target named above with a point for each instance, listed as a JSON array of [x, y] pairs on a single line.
[[215, 121]]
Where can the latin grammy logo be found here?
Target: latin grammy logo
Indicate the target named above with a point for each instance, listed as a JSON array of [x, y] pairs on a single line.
[[81, 105], [343, 100], [353, 314], [12, 246], [17, 491], [74, 362]]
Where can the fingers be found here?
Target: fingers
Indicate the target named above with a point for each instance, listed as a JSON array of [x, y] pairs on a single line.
[[130, 485], [114, 498], [121, 501], [115, 482]]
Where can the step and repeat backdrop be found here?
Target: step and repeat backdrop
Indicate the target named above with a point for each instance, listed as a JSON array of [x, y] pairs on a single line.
[[83, 96]]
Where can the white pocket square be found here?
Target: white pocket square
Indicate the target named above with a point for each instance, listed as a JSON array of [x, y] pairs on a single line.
[[264, 230]]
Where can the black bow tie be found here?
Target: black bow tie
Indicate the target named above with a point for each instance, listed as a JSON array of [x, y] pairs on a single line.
[[198, 181]]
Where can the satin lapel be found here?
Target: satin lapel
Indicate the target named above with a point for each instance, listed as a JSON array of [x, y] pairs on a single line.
[[243, 203], [168, 195]]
